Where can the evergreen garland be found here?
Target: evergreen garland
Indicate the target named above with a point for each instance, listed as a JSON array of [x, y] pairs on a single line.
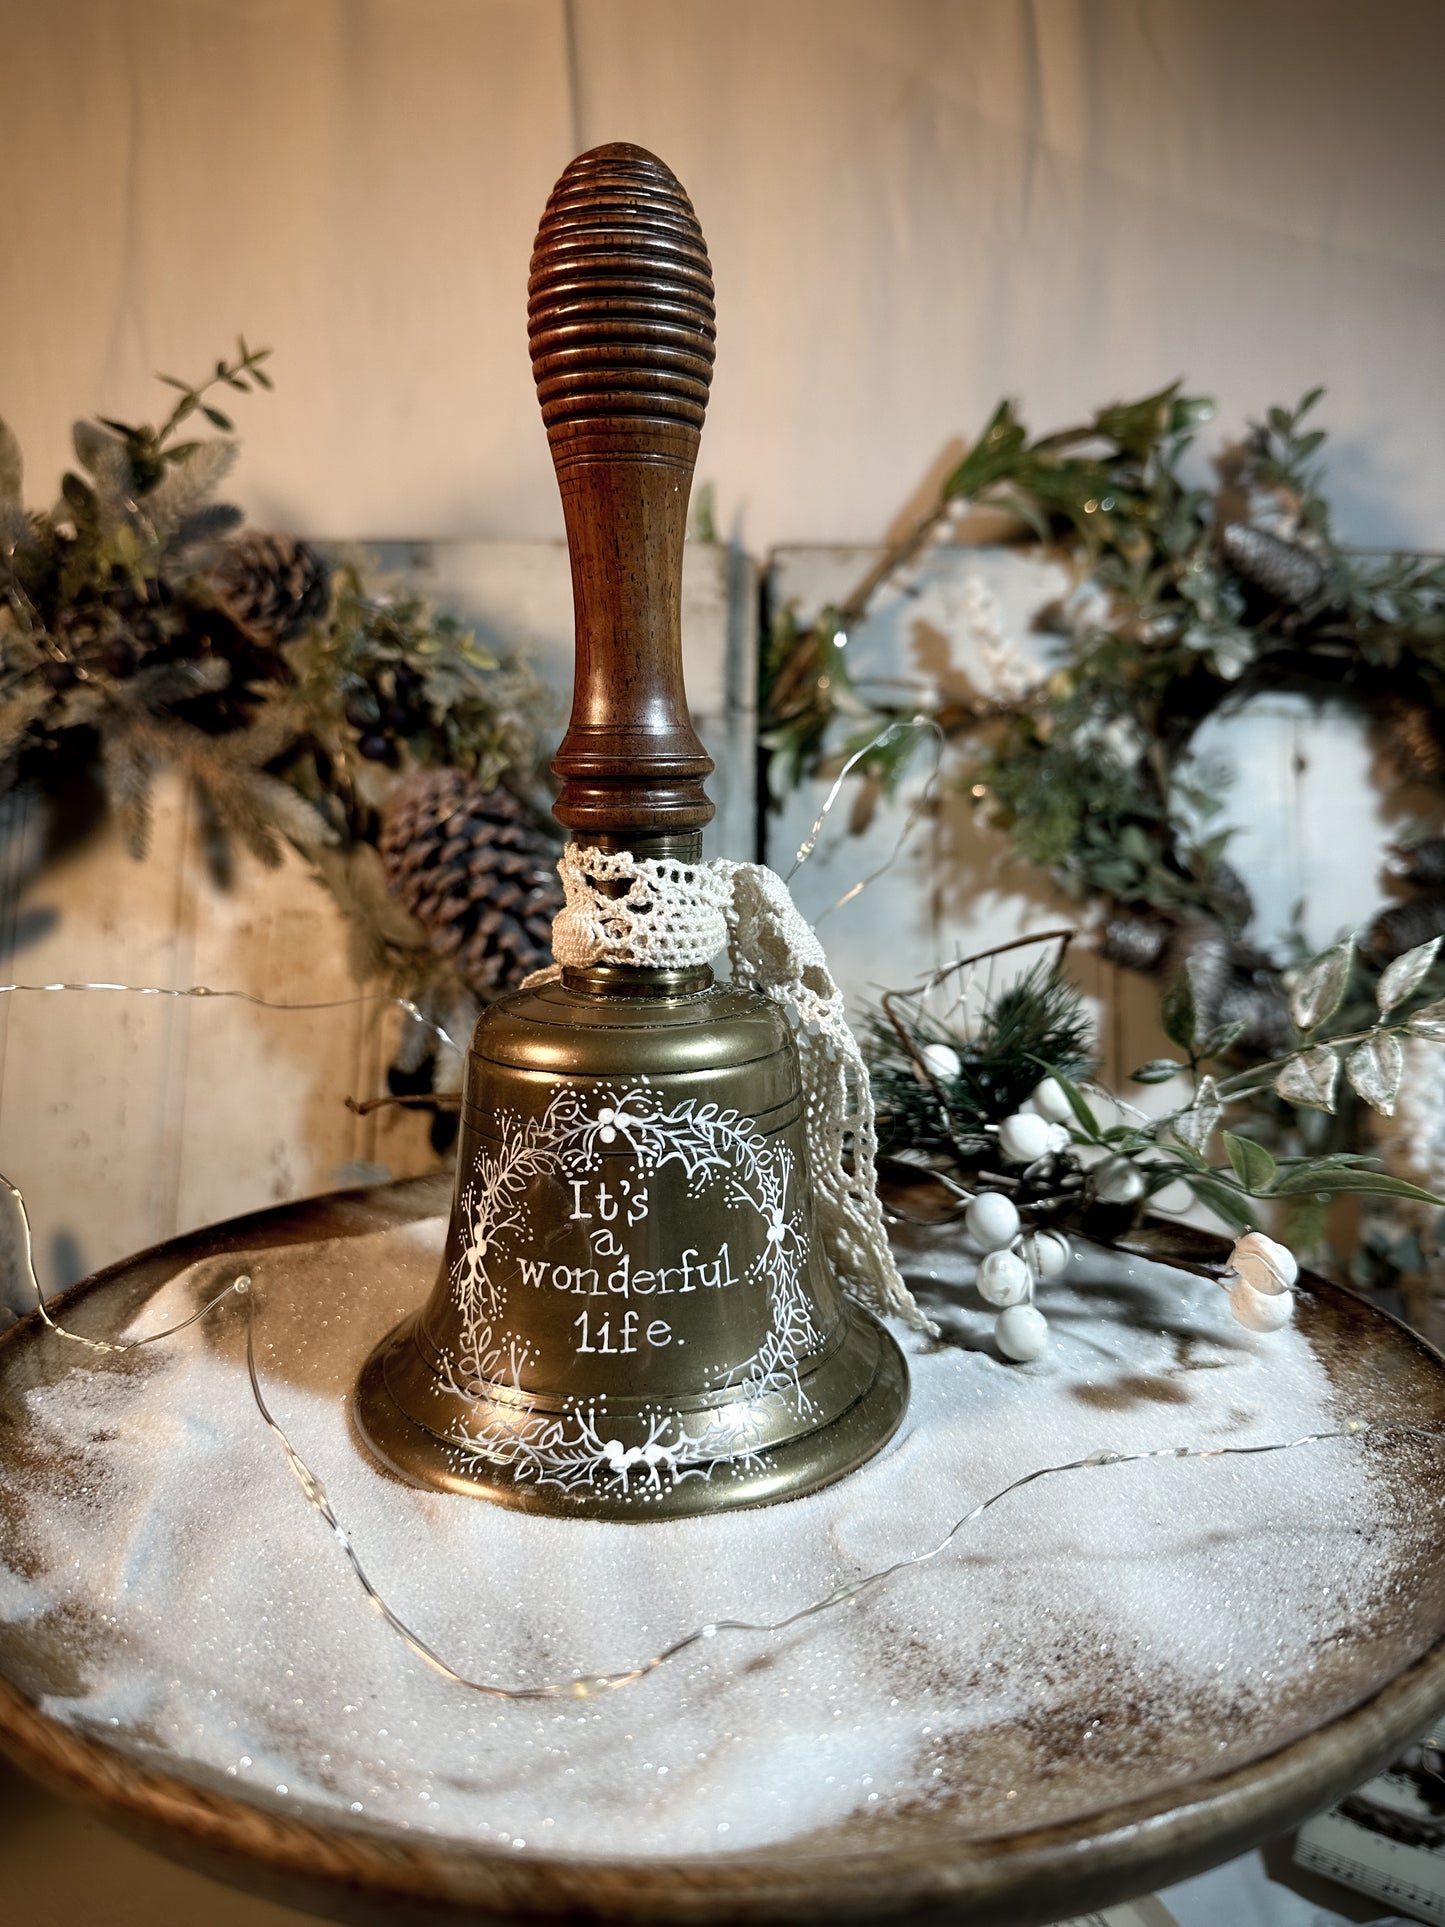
[[953, 1073], [939, 1082], [142, 629]]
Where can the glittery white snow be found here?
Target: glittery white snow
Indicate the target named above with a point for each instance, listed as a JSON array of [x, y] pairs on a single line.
[[209, 1615]]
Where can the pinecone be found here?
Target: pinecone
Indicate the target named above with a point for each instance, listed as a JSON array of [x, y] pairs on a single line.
[[1405, 925], [1286, 570], [1135, 940], [271, 586], [1415, 739], [1423, 862], [1232, 984], [476, 871]]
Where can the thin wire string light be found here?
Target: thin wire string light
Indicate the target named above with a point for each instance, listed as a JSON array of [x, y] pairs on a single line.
[[27, 1252], [915, 809], [593, 1685], [250, 997]]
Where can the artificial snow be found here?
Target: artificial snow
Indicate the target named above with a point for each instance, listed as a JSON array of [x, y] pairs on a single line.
[[210, 1617]]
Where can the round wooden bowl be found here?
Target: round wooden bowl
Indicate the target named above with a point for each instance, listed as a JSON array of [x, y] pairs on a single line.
[[922, 1863]]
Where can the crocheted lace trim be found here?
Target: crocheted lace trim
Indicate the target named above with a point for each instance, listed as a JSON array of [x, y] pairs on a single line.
[[639, 910], [660, 912]]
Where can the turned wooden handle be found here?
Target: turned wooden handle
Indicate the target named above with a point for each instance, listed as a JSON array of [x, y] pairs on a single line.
[[620, 320]]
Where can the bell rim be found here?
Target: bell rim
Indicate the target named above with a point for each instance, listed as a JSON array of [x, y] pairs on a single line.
[[809, 1461]]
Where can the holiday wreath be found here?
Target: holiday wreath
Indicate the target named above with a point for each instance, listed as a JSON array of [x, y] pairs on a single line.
[[1186, 601]]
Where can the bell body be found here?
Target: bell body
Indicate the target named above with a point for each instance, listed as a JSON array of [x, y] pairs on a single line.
[[634, 1316]]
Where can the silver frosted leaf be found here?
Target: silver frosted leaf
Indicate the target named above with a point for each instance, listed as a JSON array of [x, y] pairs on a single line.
[[1404, 974], [1321, 985], [1197, 1125], [1310, 1078], [1429, 1023], [1376, 1069]]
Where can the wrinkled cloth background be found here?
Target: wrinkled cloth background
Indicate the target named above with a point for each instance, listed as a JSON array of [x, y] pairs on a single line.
[[912, 209]]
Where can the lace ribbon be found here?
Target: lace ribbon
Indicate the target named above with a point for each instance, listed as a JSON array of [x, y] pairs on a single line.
[[659, 912]]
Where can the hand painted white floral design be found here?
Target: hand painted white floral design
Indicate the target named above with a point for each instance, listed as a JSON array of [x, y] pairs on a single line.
[[710, 1144]]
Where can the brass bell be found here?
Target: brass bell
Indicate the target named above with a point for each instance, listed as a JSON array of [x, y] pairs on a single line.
[[634, 1318]]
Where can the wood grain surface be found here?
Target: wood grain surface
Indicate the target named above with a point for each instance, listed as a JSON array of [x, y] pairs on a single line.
[[620, 319]]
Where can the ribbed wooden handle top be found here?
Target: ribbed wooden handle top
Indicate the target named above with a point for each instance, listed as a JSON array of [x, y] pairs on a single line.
[[620, 320]]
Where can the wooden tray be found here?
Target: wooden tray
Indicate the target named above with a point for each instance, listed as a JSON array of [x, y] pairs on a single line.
[[924, 1864]]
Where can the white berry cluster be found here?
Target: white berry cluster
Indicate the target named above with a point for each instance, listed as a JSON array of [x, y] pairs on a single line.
[[1015, 1261], [1259, 1279]]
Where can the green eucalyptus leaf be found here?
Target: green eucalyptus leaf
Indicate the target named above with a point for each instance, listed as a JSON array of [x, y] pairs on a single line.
[[97, 447], [1177, 1012], [1079, 1106], [1223, 1199], [79, 495], [217, 419], [1137, 425], [1253, 1165], [1219, 1040], [1326, 1180], [1342, 1158], [1162, 1171], [1158, 1070], [1320, 987], [1190, 412], [1128, 1139], [992, 457], [1405, 974]]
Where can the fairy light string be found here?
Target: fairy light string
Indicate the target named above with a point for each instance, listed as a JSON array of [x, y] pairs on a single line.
[[924, 725], [250, 997], [593, 1685]]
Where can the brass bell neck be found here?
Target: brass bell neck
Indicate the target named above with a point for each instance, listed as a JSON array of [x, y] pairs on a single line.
[[636, 980]]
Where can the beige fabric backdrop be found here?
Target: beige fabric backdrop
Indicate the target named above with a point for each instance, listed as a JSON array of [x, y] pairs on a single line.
[[913, 207]]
